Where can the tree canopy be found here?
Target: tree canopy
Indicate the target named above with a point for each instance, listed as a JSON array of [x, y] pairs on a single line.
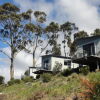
[[12, 31]]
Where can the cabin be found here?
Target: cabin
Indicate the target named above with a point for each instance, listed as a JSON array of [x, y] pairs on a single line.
[[49, 62], [88, 52]]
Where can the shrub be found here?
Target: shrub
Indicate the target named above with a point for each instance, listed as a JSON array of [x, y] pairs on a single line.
[[14, 81], [27, 79], [26, 73], [94, 76], [66, 72], [92, 90], [84, 70], [57, 68], [1, 80], [46, 77]]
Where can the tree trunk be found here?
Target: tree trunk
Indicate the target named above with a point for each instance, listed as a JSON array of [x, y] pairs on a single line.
[[34, 59], [12, 67], [65, 52]]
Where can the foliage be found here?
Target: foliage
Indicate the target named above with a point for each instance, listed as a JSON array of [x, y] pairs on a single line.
[[35, 33], [1, 80], [94, 77], [84, 70], [92, 90], [59, 88], [80, 34], [57, 68], [52, 33], [26, 73], [27, 79], [72, 48], [68, 29], [12, 32], [96, 32], [14, 81], [56, 50], [46, 77], [66, 72]]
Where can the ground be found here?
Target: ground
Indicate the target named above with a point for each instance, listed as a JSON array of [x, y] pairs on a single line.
[[59, 88]]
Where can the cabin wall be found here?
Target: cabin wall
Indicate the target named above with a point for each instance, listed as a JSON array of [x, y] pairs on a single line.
[[31, 70], [79, 51], [55, 60], [97, 48]]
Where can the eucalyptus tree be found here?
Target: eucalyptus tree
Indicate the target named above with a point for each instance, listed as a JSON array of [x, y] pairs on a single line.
[[12, 33], [96, 32], [52, 32], [35, 34], [67, 28], [78, 35]]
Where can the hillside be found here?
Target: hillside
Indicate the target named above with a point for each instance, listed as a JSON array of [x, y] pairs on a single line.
[[58, 88]]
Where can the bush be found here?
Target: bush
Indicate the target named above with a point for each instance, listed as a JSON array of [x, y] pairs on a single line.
[[84, 70], [94, 76], [27, 79], [57, 68], [27, 73], [14, 81], [92, 90], [46, 77], [1, 80], [66, 72]]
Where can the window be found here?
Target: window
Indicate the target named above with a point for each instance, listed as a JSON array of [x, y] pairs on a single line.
[[67, 63], [46, 64], [89, 49]]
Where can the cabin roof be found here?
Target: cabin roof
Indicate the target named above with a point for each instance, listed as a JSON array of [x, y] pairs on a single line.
[[56, 56]]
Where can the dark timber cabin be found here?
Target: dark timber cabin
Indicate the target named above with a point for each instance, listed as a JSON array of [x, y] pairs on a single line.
[[88, 52]]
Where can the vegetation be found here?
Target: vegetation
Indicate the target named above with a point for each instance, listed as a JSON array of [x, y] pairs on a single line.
[[66, 72], [57, 88], [96, 32], [19, 32], [26, 73], [12, 32], [84, 70], [81, 34], [46, 77], [67, 29], [27, 79], [57, 68], [1, 80], [14, 81], [92, 90]]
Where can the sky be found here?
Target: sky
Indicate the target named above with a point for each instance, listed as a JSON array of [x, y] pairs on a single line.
[[84, 13]]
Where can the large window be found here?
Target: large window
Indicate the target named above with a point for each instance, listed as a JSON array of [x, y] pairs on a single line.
[[89, 49], [46, 64], [67, 63]]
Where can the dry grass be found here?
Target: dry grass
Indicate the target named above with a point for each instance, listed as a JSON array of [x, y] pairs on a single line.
[[59, 88]]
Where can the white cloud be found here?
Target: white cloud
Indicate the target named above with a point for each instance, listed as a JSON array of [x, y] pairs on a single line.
[[84, 14]]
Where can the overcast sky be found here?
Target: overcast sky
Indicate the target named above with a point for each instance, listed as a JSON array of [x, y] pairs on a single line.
[[84, 13]]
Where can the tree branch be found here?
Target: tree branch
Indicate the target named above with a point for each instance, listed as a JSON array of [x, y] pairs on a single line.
[[5, 42], [5, 54]]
